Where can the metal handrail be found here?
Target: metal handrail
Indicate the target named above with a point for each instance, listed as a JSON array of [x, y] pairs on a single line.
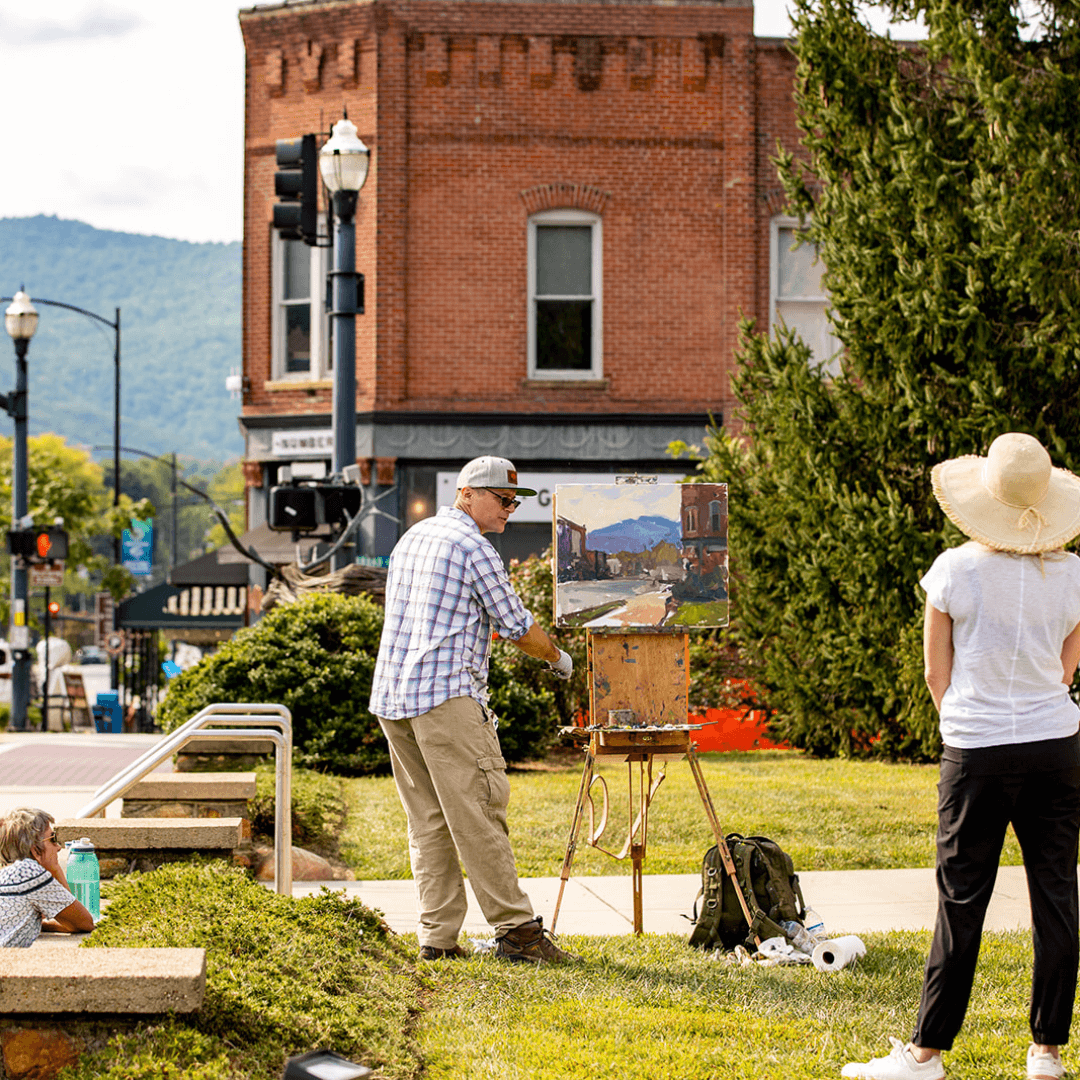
[[246, 716], [175, 738]]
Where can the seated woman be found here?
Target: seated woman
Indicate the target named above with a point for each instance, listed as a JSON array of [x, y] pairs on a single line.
[[34, 893]]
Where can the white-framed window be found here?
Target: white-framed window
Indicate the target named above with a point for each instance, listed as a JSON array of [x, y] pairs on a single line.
[[565, 318], [797, 296], [301, 328]]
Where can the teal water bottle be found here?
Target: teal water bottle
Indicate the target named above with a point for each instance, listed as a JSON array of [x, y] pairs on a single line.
[[84, 876]]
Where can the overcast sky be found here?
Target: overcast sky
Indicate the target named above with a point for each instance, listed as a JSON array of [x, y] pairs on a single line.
[[128, 114]]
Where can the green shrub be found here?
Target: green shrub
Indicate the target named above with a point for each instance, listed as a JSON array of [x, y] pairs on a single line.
[[319, 809], [315, 656], [283, 976]]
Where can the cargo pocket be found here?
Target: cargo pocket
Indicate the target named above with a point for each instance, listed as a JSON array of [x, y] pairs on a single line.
[[494, 787]]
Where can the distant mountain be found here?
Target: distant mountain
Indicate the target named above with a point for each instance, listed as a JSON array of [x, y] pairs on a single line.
[[179, 336], [634, 534]]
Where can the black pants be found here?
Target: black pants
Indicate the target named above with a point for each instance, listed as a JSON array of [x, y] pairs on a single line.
[[1036, 786]]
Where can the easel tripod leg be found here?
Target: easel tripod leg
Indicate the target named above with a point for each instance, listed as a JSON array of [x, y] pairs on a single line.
[[575, 829], [718, 835]]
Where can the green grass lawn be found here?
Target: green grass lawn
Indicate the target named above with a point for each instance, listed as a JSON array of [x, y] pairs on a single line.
[[653, 1007], [829, 815], [285, 976]]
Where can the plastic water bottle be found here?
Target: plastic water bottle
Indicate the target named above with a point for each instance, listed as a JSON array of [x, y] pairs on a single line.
[[814, 924], [84, 876], [799, 936]]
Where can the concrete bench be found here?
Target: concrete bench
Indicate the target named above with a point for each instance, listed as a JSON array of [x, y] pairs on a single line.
[[97, 981], [192, 795], [124, 844]]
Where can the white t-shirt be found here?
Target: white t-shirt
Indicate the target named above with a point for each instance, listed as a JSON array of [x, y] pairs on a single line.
[[28, 895], [1010, 617]]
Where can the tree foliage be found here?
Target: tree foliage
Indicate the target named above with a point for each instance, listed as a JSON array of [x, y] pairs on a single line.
[[65, 482], [940, 183]]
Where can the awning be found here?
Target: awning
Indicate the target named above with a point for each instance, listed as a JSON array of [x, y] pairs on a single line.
[[197, 607], [226, 566]]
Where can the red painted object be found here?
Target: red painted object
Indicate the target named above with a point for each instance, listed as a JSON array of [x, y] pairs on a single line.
[[732, 729]]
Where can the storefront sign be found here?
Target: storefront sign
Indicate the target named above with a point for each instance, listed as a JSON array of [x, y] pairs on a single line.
[[316, 442], [536, 508]]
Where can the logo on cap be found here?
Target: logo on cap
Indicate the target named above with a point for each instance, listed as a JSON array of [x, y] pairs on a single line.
[[511, 476]]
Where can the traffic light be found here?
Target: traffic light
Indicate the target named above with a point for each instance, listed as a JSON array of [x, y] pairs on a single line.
[[50, 545], [21, 542], [296, 184], [338, 499], [303, 508], [39, 545], [293, 509]]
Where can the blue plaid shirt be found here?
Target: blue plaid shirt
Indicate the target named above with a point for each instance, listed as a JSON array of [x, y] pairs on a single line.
[[445, 591]]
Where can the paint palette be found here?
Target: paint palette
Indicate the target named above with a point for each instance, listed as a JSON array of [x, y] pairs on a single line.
[[641, 556]]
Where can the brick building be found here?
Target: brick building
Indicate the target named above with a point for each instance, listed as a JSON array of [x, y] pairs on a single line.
[[569, 205]]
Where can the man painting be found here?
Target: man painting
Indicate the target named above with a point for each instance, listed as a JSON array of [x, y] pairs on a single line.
[[446, 591]]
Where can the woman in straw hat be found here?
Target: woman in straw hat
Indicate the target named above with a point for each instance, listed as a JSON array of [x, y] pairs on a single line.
[[1001, 644]]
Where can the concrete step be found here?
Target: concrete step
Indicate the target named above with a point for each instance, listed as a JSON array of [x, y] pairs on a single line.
[[128, 844], [101, 981], [192, 834], [185, 787], [192, 795], [222, 755]]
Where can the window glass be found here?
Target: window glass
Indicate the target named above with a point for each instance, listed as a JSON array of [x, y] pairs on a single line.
[[563, 335], [298, 337], [563, 260], [800, 268], [297, 260]]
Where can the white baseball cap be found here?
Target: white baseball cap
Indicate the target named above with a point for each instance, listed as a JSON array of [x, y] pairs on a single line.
[[491, 472]]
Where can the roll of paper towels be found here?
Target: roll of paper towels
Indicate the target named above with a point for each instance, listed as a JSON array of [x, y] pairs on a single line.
[[837, 953]]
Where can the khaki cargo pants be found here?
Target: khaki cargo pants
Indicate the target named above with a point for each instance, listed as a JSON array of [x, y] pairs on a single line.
[[451, 777]]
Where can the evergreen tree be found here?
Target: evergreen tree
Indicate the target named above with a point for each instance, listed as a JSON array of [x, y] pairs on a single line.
[[941, 183]]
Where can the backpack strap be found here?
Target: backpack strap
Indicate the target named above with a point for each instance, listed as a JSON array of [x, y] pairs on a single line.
[[733, 873]]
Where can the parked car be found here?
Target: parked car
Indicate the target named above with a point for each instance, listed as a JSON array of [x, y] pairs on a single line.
[[91, 654]]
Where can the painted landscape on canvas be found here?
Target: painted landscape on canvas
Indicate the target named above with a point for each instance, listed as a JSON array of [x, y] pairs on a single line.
[[641, 556]]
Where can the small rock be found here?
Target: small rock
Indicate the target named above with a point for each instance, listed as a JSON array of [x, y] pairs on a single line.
[[307, 866], [38, 1055]]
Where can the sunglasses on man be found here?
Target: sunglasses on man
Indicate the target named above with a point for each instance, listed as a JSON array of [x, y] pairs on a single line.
[[508, 501]]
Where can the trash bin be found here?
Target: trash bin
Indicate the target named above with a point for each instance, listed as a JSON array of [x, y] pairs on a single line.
[[108, 712]]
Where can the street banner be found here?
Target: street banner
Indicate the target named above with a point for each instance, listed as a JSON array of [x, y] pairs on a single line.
[[137, 548]]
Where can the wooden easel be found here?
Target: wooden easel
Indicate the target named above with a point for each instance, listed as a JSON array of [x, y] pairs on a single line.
[[638, 696]]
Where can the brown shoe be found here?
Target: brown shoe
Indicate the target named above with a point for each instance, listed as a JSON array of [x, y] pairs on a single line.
[[433, 952], [531, 943]]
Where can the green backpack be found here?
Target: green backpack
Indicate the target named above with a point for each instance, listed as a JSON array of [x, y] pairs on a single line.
[[767, 879]]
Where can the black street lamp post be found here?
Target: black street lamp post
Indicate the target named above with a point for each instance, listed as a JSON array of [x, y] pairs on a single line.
[[20, 321], [343, 163]]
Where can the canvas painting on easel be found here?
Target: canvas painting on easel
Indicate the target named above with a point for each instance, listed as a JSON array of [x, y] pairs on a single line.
[[641, 556]]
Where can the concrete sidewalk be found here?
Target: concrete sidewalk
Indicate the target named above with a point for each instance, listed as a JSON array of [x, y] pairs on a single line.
[[849, 901], [60, 772]]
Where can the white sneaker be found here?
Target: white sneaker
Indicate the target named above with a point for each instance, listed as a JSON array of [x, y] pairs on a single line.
[[1040, 1065], [899, 1065]]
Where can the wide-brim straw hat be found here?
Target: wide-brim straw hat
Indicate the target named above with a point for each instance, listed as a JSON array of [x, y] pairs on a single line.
[[1013, 499]]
